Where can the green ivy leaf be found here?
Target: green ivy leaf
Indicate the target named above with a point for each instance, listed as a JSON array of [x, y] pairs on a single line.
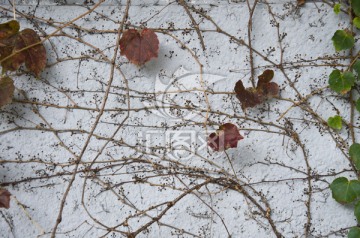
[[342, 40], [356, 22], [358, 105], [357, 211], [345, 191], [354, 232], [337, 8], [356, 67], [341, 82], [355, 5], [354, 153], [335, 122]]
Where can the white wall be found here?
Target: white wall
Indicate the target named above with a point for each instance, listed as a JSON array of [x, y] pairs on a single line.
[[70, 93]]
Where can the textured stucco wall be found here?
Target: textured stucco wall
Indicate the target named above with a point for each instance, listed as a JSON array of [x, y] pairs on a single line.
[[36, 167]]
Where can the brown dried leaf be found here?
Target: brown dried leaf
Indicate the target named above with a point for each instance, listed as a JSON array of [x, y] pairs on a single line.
[[271, 90], [226, 137], [7, 89], [139, 46], [35, 57], [13, 54], [4, 198], [268, 89], [247, 97], [301, 2], [265, 78], [9, 29], [10, 63], [264, 90]]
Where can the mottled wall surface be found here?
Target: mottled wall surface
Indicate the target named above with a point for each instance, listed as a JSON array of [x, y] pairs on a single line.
[[116, 149]]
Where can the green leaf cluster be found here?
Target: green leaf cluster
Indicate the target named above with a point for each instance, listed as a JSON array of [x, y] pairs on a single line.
[[355, 5], [335, 122], [337, 8], [354, 153], [347, 191], [343, 190], [354, 232], [341, 82], [343, 40]]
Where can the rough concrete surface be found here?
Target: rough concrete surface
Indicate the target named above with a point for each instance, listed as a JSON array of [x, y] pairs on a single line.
[[128, 143]]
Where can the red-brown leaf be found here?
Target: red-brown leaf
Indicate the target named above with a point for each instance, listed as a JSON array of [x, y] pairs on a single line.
[[9, 29], [11, 63], [265, 89], [35, 57], [271, 90], [7, 41], [248, 98], [6, 91], [12, 52], [139, 46], [226, 137], [5, 198], [265, 77], [301, 2]]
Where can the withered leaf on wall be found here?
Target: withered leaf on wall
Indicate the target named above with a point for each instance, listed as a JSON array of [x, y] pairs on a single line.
[[139, 46], [6, 90], [250, 97], [18, 47], [227, 136], [267, 88], [301, 2], [4, 198], [9, 29]]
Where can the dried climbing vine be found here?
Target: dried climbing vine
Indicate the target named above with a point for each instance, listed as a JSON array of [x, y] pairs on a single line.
[[85, 124]]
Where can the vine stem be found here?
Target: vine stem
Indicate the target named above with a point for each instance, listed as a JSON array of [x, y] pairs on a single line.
[[352, 107], [251, 10], [23, 208], [53, 33], [194, 23], [78, 159], [13, 8], [232, 167]]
